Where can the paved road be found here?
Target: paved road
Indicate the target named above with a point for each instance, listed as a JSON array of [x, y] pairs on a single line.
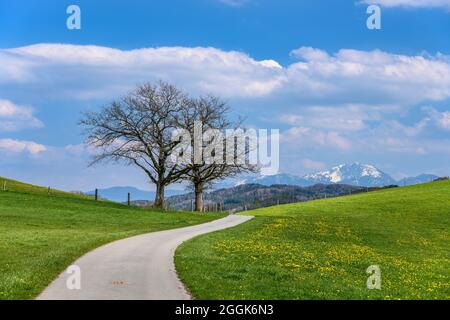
[[138, 268]]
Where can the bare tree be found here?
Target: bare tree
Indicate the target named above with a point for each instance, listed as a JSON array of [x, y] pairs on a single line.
[[206, 121], [137, 130]]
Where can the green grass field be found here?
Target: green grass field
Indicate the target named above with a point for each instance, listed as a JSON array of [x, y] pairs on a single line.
[[321, 249], [41, 234]]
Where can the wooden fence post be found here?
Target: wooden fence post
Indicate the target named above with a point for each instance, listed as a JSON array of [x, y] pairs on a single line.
[[96, 194], [4, 185], [129, 199]]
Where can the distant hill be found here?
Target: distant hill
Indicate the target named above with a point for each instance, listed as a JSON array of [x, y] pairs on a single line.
[[120, 194], [417, 180], [251, 196]]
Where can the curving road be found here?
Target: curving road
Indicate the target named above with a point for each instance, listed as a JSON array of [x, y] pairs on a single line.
[[137, 268]]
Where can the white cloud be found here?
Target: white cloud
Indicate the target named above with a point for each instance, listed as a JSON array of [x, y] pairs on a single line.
[[381, 134], [20, 146], [350, 117], [14, 117], [310, 137], [92, 71], [444, 121], [370, 75], [349, 76], [393, 137], [440, 119], [412, 3]]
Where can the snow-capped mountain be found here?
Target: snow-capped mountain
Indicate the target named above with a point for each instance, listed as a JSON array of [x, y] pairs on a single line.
[[356, 174], [353, 174]]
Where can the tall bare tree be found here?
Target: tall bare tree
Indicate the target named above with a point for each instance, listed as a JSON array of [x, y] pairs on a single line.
[[206, 120], [137, 130]]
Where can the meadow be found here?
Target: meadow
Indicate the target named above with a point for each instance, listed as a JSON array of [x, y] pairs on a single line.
[[322, 249], [41, 234]]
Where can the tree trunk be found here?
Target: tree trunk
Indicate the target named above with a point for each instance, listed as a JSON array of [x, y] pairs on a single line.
[[199, 197], [159, 198]]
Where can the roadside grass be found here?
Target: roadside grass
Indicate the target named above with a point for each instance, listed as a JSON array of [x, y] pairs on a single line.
[[321, 249], [41, 234]]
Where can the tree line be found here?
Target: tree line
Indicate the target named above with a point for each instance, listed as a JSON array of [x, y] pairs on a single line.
[[141, 129]]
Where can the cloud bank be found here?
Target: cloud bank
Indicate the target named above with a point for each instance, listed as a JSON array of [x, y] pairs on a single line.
[[86, 72], [92, 71]]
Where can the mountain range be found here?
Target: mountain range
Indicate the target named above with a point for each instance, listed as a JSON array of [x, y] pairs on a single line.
[[354, 174]]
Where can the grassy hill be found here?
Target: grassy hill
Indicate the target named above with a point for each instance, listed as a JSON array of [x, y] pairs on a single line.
[[41, 234], [321, 249]]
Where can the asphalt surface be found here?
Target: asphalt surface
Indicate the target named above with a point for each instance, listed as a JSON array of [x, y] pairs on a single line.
[[136, 268]]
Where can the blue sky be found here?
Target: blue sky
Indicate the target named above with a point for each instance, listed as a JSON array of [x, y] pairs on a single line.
[[338, 91]]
